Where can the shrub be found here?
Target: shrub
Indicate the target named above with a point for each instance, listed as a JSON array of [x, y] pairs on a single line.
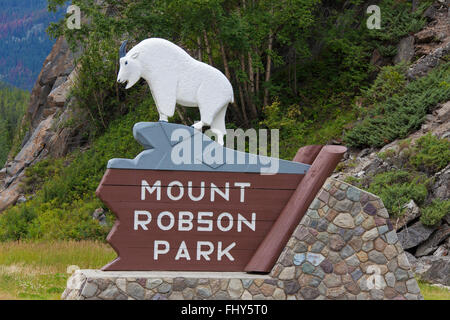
[[433, 213], [401, 114], [430, 154], [40, 172], [287, 121], [388, 154], [15, 223], [95, 89], [397, 187], [390, 81], [296, 130], [69, 221]]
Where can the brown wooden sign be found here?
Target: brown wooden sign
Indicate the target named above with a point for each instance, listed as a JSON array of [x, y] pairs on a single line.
[[209, 220]]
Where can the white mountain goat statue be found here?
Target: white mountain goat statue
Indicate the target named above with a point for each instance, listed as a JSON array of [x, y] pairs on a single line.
[[175, 77]]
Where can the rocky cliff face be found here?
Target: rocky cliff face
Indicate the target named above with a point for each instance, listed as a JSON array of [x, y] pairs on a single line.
[[428, 248], [48, 111]]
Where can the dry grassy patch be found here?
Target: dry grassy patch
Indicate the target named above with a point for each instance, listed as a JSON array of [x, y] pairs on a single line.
[[38, 270]]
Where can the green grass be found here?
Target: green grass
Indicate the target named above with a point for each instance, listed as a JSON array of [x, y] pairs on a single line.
[[431, 292], [38, 270]]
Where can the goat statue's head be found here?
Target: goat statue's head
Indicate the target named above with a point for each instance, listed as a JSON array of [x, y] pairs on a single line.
[[130, 68]]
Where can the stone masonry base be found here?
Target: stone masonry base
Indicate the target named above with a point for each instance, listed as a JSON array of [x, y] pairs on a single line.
[[344, 248]]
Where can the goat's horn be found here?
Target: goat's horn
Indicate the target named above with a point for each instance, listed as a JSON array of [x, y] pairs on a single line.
[[123, 49]]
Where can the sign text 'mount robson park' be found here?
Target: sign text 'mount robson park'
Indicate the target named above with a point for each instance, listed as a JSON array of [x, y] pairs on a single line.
[[193, 221], [187, 221], [203, 217]]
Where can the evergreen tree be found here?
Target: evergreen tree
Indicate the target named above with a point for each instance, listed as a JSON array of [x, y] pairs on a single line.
[[13, 103]]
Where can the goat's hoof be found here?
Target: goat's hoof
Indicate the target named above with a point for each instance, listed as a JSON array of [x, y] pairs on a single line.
[[198, 125]]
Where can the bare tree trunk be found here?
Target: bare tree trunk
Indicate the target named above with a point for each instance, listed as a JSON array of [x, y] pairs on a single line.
[[228, 75], [268, 69], [251, 73], [246, 85], [295, 73], [208, 48], [289, 68], [183, 116], [241, 96], [244, 72], [257, 71], [257, 83], [199, 52], [225, 60]]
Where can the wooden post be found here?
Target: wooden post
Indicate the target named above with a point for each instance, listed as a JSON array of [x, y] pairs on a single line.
[[307, 154], [271, 247]]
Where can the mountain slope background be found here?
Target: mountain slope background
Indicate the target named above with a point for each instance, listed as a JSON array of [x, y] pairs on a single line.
[[23, 41], [313, 70]]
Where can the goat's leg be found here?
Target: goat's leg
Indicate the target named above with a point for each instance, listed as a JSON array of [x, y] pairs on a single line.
[[218, 124], [164, 94]]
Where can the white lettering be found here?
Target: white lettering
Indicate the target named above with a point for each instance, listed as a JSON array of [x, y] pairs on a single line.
[[182, 222], [169, 190], [171, 222], [205, 254], [251, 225], [230, 221], [202, 191], [242, 185], [221, 253], [157, 251], [142, 223], [146, 187], [215, 189], [202, 221], [183, 252]]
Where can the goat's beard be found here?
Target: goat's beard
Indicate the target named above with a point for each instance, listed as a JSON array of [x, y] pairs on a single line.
[[132, 82]]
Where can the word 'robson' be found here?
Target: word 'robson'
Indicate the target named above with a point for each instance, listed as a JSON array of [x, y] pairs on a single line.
[[166, 221]]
